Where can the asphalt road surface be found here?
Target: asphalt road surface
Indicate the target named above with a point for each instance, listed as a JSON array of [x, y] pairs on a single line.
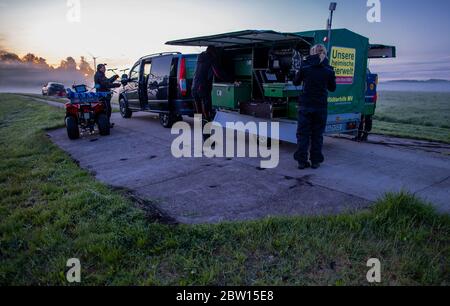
[[137, 156]]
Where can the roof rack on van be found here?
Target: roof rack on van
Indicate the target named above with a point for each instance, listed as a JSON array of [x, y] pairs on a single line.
[[159, 54]]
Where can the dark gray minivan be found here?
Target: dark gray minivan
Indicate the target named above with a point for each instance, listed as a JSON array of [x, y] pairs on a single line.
[[159, 83]]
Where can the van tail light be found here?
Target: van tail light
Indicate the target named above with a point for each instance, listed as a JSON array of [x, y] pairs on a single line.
[[351, 126], [375, 98], [182, 77]]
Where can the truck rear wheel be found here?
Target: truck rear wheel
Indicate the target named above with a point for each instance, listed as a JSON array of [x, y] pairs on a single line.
[[167, 120], [124, 110], [103, 125], [72, 128]]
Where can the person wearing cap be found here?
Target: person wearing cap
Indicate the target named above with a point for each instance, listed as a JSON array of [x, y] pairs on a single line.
[[104, 85], [318, 77]]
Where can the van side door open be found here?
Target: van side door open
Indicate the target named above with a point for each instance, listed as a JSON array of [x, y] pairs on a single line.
[[158, 83], [146, 67], [132, 88]]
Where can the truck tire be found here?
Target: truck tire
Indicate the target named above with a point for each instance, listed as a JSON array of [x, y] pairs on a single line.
[[263, 141], [167, 120], [125, 112], [103, 125], [72, 128]]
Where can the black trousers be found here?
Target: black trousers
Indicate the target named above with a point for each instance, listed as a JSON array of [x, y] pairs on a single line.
[[310, 129], [107, 101], [203, 105]]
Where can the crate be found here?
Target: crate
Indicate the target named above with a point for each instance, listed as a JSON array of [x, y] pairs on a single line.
[[264, 109], [281, 90], [85, 97], [229, 96]]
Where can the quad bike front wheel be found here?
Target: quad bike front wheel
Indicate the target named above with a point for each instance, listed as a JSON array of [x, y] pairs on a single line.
[[72, 128], [103, 125]]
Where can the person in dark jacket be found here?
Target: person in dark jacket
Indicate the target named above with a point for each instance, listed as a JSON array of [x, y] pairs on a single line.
[[207, 68], [318, 78], [104, 84]]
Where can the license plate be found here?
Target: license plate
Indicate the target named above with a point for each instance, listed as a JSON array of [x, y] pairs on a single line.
[[333, 128]]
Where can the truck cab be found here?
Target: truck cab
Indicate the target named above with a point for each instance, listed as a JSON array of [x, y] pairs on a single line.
[[371, 95], [159, 83]]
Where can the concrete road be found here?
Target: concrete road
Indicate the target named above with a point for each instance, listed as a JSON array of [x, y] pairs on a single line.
[[137, 156]]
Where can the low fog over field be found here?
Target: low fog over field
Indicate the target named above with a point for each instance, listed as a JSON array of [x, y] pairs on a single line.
[[416, 86], [30, 73]]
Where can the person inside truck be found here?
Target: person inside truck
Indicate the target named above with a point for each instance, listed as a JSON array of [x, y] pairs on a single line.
[[104, 84], [207, 67], [318, 78]]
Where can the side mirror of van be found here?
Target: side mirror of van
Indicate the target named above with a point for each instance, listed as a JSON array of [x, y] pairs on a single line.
[[124, 79]]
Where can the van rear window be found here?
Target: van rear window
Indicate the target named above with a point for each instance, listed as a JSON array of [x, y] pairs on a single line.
[[191, 64]]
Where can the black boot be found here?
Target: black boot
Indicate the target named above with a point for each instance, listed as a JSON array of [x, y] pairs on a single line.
[[303, 165], [315, 165]]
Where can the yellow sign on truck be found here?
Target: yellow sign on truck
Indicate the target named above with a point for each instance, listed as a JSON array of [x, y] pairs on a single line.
[[343, 61]]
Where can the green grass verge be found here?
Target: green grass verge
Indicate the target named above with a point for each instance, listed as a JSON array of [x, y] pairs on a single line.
[[414, 115], [412, 131], [48, 98], [51, 210]]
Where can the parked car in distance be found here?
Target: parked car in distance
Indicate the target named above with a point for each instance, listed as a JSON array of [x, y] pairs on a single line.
[[54, 89], [159, 83]]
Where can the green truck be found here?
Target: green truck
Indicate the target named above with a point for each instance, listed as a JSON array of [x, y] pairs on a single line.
[[264, 62]]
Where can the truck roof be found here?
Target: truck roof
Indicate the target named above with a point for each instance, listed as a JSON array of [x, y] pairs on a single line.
[[247, 38], [166, 53]]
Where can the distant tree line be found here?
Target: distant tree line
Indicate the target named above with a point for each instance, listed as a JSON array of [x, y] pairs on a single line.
[[30, 72], [68, 64]]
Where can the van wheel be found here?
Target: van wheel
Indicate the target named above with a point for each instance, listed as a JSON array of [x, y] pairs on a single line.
[[72, 128], [167, 120], [103, 125], [124, 110]]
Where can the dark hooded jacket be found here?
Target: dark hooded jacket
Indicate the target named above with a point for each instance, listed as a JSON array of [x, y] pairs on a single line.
[[318, 78], [207, 68], [103, 84]]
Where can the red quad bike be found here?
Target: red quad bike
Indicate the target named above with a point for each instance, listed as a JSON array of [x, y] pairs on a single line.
[[84, 111]]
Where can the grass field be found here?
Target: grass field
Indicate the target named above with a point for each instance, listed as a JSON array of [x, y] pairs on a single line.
[[421, 115], [51, 210]]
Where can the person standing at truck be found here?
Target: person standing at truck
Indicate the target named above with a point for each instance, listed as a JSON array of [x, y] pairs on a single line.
[[104, 85], [318, 78], [207, 67]]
